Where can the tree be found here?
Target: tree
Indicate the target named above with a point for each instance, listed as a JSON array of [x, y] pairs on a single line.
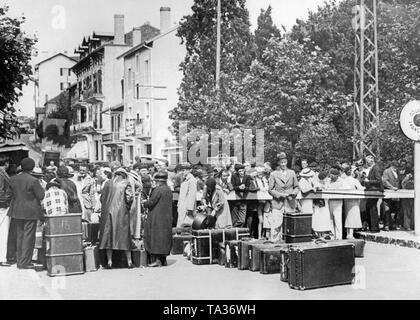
[[399, 60], [199, 103], [15, 69], [293, 90], [266, 30]]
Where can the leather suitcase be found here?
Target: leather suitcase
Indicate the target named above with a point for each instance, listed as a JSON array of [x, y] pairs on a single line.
[[270, 259], [65, 264], [359, 246], [297, 239], [255, 253], [243, 252], [232, 248], [63, 224], [297, 227], [205, 243], [63, 243], [90, 232], [222, 254], [91, 258], [284, 264], [321, 265], [178, 243], [139, 258]]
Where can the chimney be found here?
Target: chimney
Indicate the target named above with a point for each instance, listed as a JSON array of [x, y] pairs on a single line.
[[165, 19], [119, 35], [136, 36]]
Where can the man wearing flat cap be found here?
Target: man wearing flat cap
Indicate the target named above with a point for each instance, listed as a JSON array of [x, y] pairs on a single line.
[[158, 226], [284, 187], [25, 210]]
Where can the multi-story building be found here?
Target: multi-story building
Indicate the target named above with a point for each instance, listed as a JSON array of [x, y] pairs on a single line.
[[97, 98], [151, 81], [52, 76]]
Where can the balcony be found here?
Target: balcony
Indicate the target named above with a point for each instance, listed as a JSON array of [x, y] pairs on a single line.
[[142, 130], [92, 96], [112, 138], [83, 127]]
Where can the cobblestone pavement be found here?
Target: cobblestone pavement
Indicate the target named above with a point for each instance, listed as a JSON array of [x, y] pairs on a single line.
[[387, 272]]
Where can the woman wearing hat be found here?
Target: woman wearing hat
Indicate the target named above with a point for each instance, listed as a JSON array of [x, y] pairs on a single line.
[[217, 202], [307, 185], [55, 201], [284, 187], [64, 177], [116, 199], [158, 226], [37, 173]]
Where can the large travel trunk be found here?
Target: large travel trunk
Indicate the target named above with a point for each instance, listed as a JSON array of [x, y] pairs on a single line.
[[64, 250], [232, 253], [178, 242], [321, 265], [243, 252], [270, 259], [297, 227], [205, 243]]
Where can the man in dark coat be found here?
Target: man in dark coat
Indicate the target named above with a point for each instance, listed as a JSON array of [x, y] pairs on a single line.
[[25, 211], [373, 182], [116, 200], [158, 228], [241, 184], [70, 188]]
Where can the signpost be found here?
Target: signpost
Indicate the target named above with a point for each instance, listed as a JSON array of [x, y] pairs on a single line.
[[410, 126]]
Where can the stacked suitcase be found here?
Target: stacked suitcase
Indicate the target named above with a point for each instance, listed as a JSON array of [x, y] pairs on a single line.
[[205, 243], [297, 227], [63, 245]]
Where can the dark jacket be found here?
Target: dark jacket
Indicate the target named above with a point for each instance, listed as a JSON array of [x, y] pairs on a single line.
[[70, 188], [236, 182], [27, 195], [374, 182], [158, 227]]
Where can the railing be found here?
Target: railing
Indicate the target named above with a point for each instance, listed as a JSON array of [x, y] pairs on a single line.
[[142, 130], [81, 126], [330, 194]]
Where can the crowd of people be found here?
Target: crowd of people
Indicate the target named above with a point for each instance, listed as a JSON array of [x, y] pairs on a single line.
[[137, 202]]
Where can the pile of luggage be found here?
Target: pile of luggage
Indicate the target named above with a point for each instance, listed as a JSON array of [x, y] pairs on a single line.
[[300, 260]]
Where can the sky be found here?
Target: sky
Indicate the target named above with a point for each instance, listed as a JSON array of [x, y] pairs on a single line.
[[60, 25]]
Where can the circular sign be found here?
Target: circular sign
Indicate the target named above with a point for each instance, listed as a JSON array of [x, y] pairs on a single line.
[[410, 120]]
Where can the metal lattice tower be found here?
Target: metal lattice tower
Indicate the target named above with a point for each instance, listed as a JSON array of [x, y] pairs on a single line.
[[366, 82]]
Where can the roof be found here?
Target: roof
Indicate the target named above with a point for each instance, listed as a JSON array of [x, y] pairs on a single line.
[[13, 146], [52, 57], [144, 43], [53, 100]]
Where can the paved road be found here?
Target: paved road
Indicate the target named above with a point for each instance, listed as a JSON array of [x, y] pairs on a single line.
[[390, 273]]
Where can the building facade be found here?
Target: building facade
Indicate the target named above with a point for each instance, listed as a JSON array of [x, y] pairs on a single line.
[[98, 95], [52, 76], [151, 81]]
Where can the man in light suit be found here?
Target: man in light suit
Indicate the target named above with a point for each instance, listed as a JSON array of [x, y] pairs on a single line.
[[284, 187], [391, 182], [187, 200]]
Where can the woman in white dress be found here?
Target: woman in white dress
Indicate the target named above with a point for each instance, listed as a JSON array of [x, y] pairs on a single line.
[[306, 185], [336, 205], [351, 206], [321, 221]]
